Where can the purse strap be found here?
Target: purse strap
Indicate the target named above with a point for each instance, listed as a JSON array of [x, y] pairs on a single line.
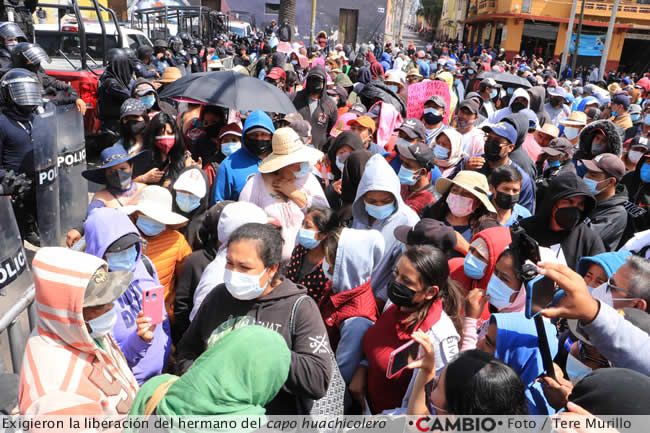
[[157, 396]]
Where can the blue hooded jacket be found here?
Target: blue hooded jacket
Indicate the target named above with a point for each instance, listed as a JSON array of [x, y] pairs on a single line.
[[610, 262], [386, 61], [235, 170], [102, 228], [517, 346]]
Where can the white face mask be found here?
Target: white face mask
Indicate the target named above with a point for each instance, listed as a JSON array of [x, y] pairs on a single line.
[[102, 325], [571, 133], [634, 156], [243, 286], [576, 369]]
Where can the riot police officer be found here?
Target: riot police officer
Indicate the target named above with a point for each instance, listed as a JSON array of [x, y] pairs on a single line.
[[30, 56], [20, 97], [196, 62], [143, 66], [178, 53], [10, 36], [162, 57], [19, 12]]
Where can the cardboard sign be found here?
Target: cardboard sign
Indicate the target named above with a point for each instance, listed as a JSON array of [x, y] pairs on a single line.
[[419, 93]]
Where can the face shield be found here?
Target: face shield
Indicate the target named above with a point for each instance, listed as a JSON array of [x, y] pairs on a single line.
[[25, 91]]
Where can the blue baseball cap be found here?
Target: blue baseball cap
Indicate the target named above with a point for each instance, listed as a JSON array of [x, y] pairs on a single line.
[[504, 130]]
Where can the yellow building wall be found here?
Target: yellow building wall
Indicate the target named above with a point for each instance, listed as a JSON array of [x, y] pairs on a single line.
[[512, 40]]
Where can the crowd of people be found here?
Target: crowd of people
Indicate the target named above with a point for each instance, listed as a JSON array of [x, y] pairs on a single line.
[[296, 252]]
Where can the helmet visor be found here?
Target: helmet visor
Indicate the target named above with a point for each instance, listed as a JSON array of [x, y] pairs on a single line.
[[11, 30], [25, 91], [36, 55]]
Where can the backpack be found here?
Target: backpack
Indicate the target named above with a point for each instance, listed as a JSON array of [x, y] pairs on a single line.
[[332, 402]]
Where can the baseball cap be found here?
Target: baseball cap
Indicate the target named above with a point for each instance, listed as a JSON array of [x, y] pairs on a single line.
[[622, 99], [302, 128], [365, 121], [559, 146], [358, 108], [413, 128], [427, 232], [437, 100], [144, 88], [557, 91], [105, 287], [230, 129], [123, 243], [490, 82], [635, 109], [191, 181], [419, 152], [277, 73], [132, 107], [471, 105], [607, 163], [504, 130], [593, 113]]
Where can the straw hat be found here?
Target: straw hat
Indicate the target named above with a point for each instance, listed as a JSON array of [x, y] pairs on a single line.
[[394, 77], [471, 181], [170, 75], [414, 72], [156, 203], [288, 149], [577, 118]]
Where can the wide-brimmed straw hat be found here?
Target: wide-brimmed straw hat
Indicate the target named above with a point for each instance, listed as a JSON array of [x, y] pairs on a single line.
[[156, 203], [471, 181], [170, 75], [288, 149]]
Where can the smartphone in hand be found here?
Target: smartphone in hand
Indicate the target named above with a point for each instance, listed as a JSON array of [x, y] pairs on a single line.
[[401, 357], [153, 304]]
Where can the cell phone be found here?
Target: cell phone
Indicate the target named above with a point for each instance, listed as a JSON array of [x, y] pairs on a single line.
[[153, 304], [541, 292], [401, 357]]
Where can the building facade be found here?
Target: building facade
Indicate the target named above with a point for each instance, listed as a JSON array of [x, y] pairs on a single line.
[[540, 27]]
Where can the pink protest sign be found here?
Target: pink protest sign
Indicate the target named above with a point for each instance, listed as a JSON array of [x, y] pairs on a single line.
[[420, 92]]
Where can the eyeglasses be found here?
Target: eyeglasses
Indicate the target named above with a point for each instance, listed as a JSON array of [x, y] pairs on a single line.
[[612, 287]]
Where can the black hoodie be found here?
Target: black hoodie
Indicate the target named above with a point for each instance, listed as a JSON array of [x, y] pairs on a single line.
[[576, 243], [639, 193], [311, 368], [324, 117], [614, 134], [609, 218], [519, 154]]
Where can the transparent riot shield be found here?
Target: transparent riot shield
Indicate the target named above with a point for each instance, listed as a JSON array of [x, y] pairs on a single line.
[[15, 276], [73, 188], [46, 182]]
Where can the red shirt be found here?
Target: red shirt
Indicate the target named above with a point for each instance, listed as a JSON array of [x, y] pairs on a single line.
[[417, 200]]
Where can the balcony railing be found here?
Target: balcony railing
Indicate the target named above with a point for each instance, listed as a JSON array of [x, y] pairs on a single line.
[[486, 5], [627, 7]]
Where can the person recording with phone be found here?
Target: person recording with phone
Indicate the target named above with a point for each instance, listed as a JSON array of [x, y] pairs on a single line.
[[423, 298], [110, 235]]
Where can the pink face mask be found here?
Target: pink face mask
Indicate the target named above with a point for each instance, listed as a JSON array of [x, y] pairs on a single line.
[[460, 206], [165, 143]]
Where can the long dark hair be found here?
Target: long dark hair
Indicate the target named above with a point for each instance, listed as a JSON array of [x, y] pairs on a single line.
[[268, 241], [433, 268], [478, 384], [176, 157]]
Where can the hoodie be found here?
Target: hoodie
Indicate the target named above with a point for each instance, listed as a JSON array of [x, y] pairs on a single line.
[[310, 371], [389, 120], [519, 155], [386, 61], [103, 227], [610, 262], [578, 242], [639, 193], [517, 346], [609, 218], [499, 115], [323, 118], [614, 134], [195, 217], [349, 308], [378, 176], [537, 97], [235, 170], [65, 371]]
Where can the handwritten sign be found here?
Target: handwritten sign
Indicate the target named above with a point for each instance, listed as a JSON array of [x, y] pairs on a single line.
[[419, 93]]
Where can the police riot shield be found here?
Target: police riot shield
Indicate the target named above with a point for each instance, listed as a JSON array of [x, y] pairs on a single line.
[[46, 182], [15, 276], [71, 162]]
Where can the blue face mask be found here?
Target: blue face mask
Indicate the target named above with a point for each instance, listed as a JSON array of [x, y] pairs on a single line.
[[148, 100], [326, 270], [474, 267], [493, 93], [122, 260], [406, 176], [646, 119], [635, 117], [592, 185], [554, 164], [380, 212], [149, 227], [187, 202], [614, 113], [645, 173], [499, 292], [440, 152], [305, 169], [230, 148], [394, 88], [307, 238]]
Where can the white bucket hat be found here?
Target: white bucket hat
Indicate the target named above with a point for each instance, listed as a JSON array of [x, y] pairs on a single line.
[[288, 149], [156, 203], [235, 215]]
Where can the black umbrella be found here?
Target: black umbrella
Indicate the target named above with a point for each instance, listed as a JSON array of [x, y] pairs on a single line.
[[508, 80], [232, 90]]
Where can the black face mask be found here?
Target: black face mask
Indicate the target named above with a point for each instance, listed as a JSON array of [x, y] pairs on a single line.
[[136, 127], [556, 102], [567, 217], [505, 201], [258, 147], [212, 131], [315, 85], [401, 295], [492, 150], [119, 179], [432, 119], [516, 107]]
